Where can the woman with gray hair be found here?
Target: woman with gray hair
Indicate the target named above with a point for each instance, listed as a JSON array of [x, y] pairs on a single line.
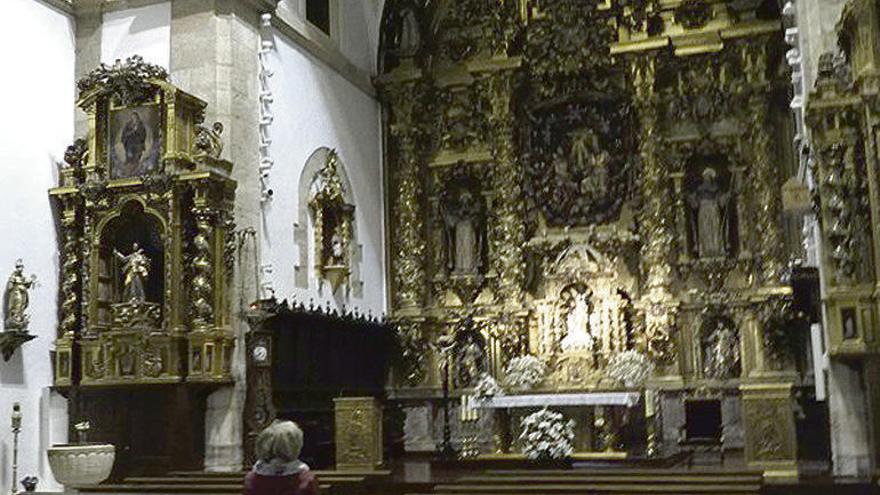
[[278, 470]]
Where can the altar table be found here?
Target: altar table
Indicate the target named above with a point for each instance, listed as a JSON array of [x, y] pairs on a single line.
[[627, 399]]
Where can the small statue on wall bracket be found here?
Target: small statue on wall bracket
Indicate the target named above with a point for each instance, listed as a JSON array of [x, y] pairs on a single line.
[[16, 299], [136, 269]]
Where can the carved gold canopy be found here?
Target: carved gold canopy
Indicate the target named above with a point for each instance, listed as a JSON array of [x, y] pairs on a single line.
[[145, 205]]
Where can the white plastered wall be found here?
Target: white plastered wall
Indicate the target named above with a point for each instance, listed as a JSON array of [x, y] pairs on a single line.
[[37, 98], [316, 107], [143, 31]]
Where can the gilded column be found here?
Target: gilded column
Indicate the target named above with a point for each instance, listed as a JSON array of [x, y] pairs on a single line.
[[769, 200], [203, 266], [408, 239], [69, 271], [509, 231], [657, 206]]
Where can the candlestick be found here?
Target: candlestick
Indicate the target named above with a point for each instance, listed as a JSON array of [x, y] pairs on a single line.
[[16, 429]]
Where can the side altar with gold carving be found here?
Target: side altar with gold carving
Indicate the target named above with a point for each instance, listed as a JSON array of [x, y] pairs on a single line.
[[145, 207], [580, 179]]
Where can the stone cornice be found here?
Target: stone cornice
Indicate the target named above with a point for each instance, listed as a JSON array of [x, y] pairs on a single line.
[[65, 6], [91, 6]]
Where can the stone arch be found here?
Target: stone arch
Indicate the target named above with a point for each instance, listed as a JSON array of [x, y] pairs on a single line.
[[302, 231]]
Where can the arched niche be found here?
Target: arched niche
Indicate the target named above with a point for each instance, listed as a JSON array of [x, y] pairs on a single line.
[[325, 202], [719, 347], [711, 198], [132, 225]]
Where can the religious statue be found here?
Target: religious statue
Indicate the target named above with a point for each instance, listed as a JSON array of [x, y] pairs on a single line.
[[15, 299], [463, 239], [408, 36], [208, 141], [469, 361], [722, 352], [136, 269], [577, 323], [710, 220], [337, 249]]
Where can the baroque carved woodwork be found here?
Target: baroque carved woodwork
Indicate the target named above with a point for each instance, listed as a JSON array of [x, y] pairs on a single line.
[[333, 221], [609, 189], [841, 116], [145, 207]]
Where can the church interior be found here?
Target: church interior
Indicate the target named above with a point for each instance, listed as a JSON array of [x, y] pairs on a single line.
[[468, 246]]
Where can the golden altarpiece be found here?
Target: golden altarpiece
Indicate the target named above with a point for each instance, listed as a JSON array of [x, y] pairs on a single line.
[[841, 115], [579, 178], [145, 206]]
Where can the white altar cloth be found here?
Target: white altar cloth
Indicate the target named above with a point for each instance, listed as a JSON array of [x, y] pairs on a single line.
[[628, 399]]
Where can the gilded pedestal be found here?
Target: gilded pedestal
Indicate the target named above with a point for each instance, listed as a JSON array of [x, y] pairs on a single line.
[[771, 439], [358, 433]]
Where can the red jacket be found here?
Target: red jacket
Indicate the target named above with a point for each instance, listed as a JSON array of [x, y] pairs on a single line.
[[303, 483]]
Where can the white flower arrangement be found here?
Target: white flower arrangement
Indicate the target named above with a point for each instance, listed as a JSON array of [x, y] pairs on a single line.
[[631, 368], [487, 388], [546, 435], [524, 373]]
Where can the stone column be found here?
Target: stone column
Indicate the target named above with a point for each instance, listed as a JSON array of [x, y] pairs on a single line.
[[89, 21], [214, 56], [850, 431]]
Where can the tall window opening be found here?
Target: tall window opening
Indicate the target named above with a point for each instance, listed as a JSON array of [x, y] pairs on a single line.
[[318, 14]]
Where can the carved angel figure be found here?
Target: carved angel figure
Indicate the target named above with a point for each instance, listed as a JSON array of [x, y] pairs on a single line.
[[15, 299], [208, 141], [136, 269]]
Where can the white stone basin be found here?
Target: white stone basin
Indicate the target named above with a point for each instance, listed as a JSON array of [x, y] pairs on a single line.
[[81, 465]]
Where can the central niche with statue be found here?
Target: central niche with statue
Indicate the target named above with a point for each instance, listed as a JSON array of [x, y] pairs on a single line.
[[145, 208]]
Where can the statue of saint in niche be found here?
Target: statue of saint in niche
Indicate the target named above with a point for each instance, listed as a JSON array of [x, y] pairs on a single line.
[[136, 269], [16, 299], [591, 161], [721, 351], [337, 249], [577, 324], [408, 36], [470, 362], [463, 237], [710, 216]]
